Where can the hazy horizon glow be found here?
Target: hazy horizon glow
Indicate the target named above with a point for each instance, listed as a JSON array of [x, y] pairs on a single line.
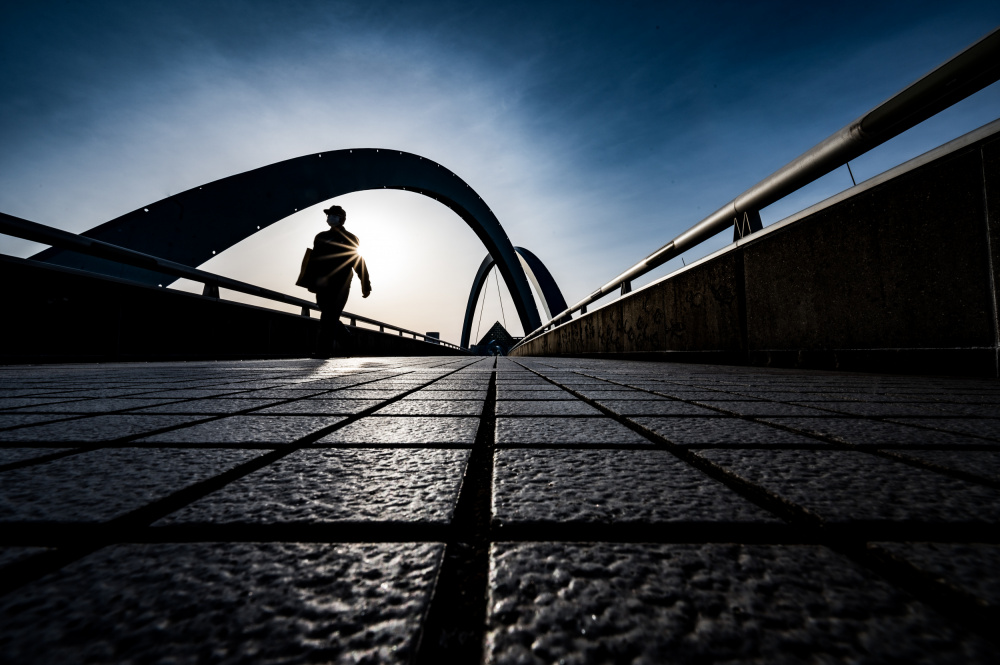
[[596, 132]]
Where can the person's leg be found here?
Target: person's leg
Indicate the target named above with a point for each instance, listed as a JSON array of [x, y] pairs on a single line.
[[330, 319]]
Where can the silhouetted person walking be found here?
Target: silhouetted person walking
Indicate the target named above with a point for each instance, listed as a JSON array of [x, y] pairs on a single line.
[[328, 274]]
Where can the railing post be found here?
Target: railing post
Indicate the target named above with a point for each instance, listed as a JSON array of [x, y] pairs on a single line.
[[381, 328], [211, 290], [626, 287], [354, 321], [750, 223], [305, 311]]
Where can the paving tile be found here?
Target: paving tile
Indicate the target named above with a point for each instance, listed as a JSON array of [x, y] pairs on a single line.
[[247, 429], [721, 430], [983, 464], [188, 393], [860, 431], [975, 410], [336, 485], [321, 407], [21, 403], [94, 405], [762, 408], [970, 568], [363, 393], [403, 430], [541, 408], [432, 407], [96, 428], [847, 486], [607, 486], [478, 395], [541, 395], [660, 407], [277, 394], [12, 455], [986, 427], [647, 603], [217, 405], [103, 484], [19, 419], [10, 554], [226, 603], [615, 394], [582, 431], [876, 409]]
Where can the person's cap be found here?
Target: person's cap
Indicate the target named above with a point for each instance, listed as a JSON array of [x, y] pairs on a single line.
[[335, 210]]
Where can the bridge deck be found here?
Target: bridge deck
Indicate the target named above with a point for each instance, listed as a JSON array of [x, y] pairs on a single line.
[[310, 511]]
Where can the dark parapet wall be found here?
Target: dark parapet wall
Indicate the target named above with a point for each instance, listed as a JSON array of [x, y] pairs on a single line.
[[899, 275], [54, 314]]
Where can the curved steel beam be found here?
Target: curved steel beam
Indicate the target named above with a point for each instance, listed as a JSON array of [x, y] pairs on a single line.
[[545, 284], [191, 227]]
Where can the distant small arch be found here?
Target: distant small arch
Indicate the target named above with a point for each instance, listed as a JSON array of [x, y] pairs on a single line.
[[545, 285]]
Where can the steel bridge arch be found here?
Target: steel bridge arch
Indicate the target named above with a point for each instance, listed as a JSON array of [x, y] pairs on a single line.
[[193, 226], [551, 297]]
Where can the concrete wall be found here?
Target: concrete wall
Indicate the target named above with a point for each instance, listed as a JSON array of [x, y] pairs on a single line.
[[898, 275], [55, 314]]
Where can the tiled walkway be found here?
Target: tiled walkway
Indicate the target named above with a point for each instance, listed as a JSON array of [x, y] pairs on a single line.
[[452, 511]]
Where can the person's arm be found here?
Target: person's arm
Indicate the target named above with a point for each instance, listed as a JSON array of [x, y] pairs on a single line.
[[361, 268]]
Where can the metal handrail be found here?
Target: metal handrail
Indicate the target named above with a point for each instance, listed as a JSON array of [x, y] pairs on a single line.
[[964, 74], [40, 233]]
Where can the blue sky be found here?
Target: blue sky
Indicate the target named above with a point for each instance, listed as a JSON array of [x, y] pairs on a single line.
[[595, 131]]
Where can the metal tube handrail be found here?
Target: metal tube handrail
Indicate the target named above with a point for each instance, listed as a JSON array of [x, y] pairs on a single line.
[[964, 74], [40, 233]]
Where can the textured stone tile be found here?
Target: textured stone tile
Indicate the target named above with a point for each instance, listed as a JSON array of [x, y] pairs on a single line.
[[188, 393], [987, 427], [971, 568], [12, 455], [846, 486], [96, 428], [700, 395], [210, 406], [363, 393], [226, 603], [247, 429], [643, 603], [521, 395], [103, 484], [975, 410], [23, 403], [18, 419], [876, 409], [761, 408], [593, 431], [335, 485], [321, 407], [660, 407], [478, 395], [277, 394], [9, 555], [721, 430], [403, 429], [646, 486], [984, 464], [542, 408], [95, 405], [860, 431], [432, 407], [615, 394]]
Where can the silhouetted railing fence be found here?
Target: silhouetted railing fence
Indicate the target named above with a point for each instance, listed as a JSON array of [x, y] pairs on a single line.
[[40, 233]]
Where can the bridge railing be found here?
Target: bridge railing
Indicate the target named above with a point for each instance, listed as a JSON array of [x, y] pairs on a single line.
[[40, 233], [966, 73]]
